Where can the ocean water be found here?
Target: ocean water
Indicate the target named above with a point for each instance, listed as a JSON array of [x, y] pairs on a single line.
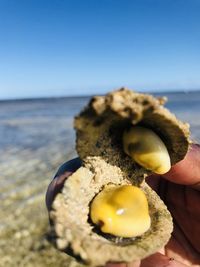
[[35, 123], [36, 136]]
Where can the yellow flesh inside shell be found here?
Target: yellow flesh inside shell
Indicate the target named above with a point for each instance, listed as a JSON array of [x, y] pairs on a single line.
[[121, 211], [147, 149]]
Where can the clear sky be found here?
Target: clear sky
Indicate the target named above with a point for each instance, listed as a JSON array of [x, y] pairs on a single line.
[[72, 47]]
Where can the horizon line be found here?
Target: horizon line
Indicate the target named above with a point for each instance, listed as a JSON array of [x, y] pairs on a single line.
[[163, 91]]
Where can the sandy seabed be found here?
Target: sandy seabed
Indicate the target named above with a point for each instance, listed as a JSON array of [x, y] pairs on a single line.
[[31, 149]]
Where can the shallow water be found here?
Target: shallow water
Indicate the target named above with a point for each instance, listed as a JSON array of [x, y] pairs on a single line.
[[36, 136]]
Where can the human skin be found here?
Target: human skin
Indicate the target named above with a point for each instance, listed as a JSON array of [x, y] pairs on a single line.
[[180, 190]]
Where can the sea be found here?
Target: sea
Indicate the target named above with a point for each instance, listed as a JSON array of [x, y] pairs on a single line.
[[36, 136]]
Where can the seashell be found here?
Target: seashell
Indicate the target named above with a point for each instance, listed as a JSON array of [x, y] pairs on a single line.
[[99, 129]]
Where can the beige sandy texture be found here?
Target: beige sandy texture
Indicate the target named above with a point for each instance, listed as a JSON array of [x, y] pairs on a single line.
[[74, 231], [100, 127], [99, 144]]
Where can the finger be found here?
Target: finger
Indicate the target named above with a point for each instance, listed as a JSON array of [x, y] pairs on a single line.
[[130, 264], [179, 248], [160, 260], [115, 265], [187, 171]]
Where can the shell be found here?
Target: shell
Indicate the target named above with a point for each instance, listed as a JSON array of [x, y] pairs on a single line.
[[99, 133], [100, 127]]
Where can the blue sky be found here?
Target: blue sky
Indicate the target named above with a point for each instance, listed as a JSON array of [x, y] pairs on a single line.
[[72, 47]]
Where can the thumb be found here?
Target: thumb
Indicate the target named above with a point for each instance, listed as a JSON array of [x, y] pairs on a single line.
[[187, 171], [160, 260]]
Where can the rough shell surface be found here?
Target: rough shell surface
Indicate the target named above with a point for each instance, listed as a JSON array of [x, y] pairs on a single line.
[[75, 231], [99, 144], [100, 127]]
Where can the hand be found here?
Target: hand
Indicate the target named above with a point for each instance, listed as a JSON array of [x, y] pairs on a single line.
[[180, 190]]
